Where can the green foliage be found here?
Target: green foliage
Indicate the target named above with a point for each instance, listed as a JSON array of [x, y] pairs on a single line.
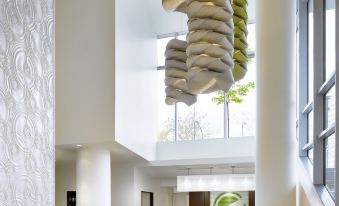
[[235, 94], [227, 199]]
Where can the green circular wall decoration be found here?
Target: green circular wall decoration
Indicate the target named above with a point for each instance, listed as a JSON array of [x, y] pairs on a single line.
[[227, 198]]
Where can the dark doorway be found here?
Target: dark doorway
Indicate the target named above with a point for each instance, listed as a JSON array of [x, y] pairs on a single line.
[[199, 199], [252, 198], [146, 198], [71, 198]]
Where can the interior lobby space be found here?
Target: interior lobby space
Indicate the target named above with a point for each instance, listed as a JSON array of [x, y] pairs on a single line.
[[168, 102]]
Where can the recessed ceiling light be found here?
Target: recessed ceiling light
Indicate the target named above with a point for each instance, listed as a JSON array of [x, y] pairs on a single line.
[[79, 145]]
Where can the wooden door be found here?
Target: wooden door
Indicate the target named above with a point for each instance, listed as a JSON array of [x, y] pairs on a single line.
[[199, 199]]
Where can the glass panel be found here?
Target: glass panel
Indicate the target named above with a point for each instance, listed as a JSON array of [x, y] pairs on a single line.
[[310, 51], [186, 122], [310, 127], [242, 115], [161, 48], [330, 164], [310, 155], [182, 37], [203, 120], [209, 118], [330, 107], [251, 38], [165, 113], [330, 37]]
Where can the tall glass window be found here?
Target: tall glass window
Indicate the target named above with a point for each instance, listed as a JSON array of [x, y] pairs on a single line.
[[330, 107], [329, 97], [310, 67], [310, 76], [242, 115], [320, 86], [329, 38], [310, 127], [330, 164], [203, 120]]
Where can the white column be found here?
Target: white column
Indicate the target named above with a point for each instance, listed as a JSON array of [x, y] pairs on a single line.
[[93, 170], [276, 116]]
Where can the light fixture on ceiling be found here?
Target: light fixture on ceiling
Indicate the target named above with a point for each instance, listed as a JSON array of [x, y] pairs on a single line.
[[227, 183], [78, 145]]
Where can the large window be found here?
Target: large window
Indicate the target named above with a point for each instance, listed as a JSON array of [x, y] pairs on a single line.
[[316, 92], [207, 118], [242, 115]]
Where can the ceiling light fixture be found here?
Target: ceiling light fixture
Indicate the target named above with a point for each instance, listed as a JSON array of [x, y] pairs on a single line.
[[227, 183]]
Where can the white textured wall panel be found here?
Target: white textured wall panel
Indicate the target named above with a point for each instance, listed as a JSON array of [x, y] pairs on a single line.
[[26, 102]]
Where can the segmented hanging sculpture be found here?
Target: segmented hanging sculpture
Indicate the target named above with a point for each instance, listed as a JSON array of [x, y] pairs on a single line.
[[176, 72], [216, 47]]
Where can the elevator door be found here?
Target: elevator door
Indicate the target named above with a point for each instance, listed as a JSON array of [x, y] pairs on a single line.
[[199, 199]]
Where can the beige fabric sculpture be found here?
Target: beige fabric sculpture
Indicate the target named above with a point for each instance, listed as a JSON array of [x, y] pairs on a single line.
[[209, 51], [210, 45], [176, 72]]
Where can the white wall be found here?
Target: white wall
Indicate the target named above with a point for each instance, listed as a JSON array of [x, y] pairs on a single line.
[[93, 177], [181, 199], [306, 192], [27, 103], [85, 52], [136, 77], [166, 21], [236, 149], [122, 185], [65, 180], [128, 182], [162, 195]]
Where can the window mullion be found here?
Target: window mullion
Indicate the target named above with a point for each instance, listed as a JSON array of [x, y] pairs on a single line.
[[327, 132], [176, 122], [308, 146], [318, 103], [308, 108], [226, 117], [302, 75], [326, 86], [336, 102]]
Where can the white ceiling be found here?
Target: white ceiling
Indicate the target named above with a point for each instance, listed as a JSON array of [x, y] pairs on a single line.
[[167, 172], [119, 153]]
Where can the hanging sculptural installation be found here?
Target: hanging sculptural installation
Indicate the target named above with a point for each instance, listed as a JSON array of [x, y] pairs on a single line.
[[240, 55], [213, 61], [210, 46], [176, 72]]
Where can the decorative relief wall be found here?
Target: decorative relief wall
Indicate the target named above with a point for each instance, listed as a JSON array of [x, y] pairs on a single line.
[[26, 102]]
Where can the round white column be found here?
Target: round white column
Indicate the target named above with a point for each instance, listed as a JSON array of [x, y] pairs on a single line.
[[276, 115], [93, 177]]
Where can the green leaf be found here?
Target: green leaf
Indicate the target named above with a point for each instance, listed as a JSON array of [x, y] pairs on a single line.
[[235, 94]]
